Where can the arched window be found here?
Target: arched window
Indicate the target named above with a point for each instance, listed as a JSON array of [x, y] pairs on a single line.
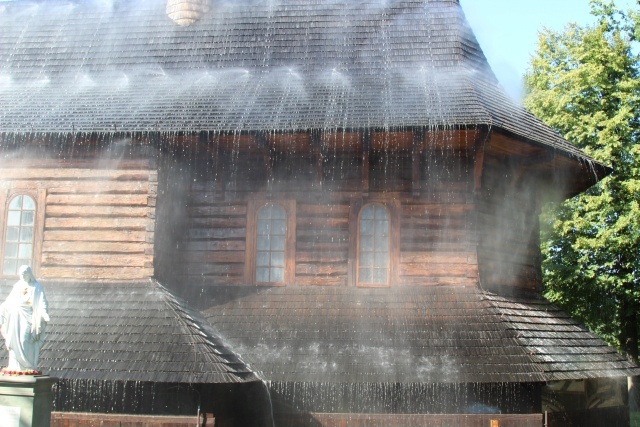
[[19, 234], [373, 246], [271, 231]]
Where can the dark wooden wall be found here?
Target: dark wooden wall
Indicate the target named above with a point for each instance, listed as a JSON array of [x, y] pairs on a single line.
[[508, 231], [436, 240]]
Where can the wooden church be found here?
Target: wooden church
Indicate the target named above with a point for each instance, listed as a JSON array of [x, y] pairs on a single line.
[[306, 212]]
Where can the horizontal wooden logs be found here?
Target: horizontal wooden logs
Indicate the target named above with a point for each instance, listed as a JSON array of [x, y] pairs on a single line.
[[98, 236], [112, 273], [93, 246], [439, 270], [88, 259], [20, 173], [214, 256], [101, 211], [321, 269], [98, 223], [98, 199]]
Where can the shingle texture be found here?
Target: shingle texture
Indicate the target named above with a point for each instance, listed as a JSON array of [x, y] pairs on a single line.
[[249, 65], [134, 332], [407, 335]]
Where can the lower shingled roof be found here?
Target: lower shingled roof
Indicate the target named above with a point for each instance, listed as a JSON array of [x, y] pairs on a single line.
[[131, 332], [404, 335]]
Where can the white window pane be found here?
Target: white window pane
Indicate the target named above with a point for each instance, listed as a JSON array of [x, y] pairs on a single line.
[[28, 204], [366, 259], [277, 243], [13, 218], [262, 275], [382, 228], [24, 251], [12, 234], [367, 213], [26, 235], [277, 259], [365, 275], [278, 226], [264, 227], [10, 266], [380, 276], [380, 212], [366, 227], [262, 259], [16, 203], [382, 243], [277, 212], [277, 275], [27, 218], [263, 243], [11, 250], [366, 243], [380, 259]]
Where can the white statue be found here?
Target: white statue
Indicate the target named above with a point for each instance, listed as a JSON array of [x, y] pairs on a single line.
[[23, 316]]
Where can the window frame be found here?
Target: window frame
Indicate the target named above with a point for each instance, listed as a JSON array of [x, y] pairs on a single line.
[[393, 212], [253, 207], [39, 198]]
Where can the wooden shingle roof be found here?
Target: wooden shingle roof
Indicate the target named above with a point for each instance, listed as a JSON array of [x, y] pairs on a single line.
[[132, 332], [71, 66], [416, 335]]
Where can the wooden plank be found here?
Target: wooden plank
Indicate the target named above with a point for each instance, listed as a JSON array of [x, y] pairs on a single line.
[[208, 211], [93, 235], [438, 257], [217, 256], [217, 233], [321, 210], [98, 199], [98, 223], [438, 270], [20, 173], [95, 260], [321, 281], [323, 223], [437, 281], [77, 246], [102, 187], [84, 273], [322, 256], [101, 211], [215, 269], [217, 245], [321, 269], [226, 222]]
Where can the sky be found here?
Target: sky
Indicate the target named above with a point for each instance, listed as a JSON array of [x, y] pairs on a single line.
[[507, 30]]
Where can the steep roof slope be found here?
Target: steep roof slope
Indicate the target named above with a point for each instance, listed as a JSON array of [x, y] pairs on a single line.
[[420, 335], [250, 65], [133, 332]]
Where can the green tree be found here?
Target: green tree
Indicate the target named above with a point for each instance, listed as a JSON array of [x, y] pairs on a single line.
[[584, 82]]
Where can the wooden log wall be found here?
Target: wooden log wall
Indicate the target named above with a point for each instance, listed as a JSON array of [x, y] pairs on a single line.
[[508, 232], [437, 241], [97, 219]]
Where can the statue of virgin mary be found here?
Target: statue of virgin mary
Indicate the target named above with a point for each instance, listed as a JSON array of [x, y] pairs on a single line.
[[23, 319]]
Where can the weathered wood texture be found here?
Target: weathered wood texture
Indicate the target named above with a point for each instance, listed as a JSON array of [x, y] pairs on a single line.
[[406, 420], [71, 419], [203, 224], [508, 232], [97, 220]]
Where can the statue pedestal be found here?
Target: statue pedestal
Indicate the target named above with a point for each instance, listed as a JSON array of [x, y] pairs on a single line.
[[26, 401]]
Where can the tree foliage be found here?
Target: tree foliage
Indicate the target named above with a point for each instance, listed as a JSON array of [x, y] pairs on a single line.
[[584, 82]]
